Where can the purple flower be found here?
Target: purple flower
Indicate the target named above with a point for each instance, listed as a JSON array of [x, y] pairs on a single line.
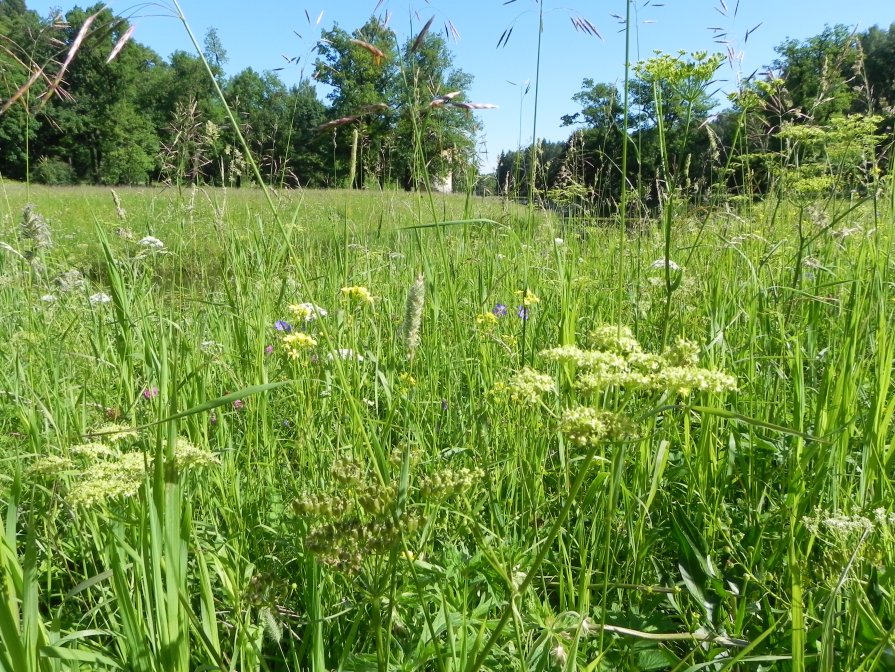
[[282, 325], [522, 312], [500, 310], [238, 405], [150, 393], [268, 350]]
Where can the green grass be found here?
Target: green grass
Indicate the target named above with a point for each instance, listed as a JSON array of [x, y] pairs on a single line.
[[410, 514]]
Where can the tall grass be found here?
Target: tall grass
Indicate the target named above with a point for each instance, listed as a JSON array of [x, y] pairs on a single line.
[[204, 473]]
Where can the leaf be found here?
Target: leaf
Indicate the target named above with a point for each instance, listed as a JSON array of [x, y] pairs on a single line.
[[655, 659]]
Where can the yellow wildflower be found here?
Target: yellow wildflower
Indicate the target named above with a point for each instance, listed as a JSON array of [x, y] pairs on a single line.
[[295, 343], [527, 297], [358, 294]]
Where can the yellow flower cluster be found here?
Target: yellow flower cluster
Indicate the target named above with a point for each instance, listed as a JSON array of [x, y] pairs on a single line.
[[297, 342], [486, 320], [527, 297], [357, 294]]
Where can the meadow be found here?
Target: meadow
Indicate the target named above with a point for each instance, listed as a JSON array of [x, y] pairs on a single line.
[[383, 431]]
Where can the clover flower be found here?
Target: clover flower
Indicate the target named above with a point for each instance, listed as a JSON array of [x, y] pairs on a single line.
[[357, 294], [150, 393], [298, 342]]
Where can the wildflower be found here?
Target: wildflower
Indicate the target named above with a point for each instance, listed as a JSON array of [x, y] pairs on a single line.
[[282, 325], [100, 298], [587, 426], [558, 241], [297, 342], [527, 297], [500, 310], [685, 379], [662, 263], [238, 404], [50, 466], [413, 315], [486, 319], [268, 349], [357, 294], [307, 312], [187, 455], [150, 393], [528, 385], [345, 353], [615, 339], [48, 298], [522, 312], [151, 242], [407, 380], [682, 353], [110, 479], [94, 451], [115, 433]]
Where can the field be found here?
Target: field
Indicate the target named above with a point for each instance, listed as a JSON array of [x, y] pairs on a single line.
[[379, 431]]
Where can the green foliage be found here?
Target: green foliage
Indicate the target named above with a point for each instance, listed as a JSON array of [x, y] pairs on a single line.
[[359, 507]]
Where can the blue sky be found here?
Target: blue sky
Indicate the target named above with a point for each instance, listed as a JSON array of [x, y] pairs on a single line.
[[258, 34]]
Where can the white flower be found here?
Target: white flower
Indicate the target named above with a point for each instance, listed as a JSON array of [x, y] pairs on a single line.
[[660, 263], [100, 297], [48, 298], [558, 241], [345, 353], [151, 241], [307, 311]]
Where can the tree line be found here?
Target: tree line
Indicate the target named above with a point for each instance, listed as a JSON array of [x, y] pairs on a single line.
[[83, 103], [818, 121]]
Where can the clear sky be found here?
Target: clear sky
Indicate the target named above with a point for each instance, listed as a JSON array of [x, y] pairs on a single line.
[[260, 33]]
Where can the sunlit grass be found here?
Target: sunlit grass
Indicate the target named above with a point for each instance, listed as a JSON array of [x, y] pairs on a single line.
[[358, 505]]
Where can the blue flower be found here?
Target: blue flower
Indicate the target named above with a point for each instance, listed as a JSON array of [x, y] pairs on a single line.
[[282, 325], [500, 310], [522, 312]]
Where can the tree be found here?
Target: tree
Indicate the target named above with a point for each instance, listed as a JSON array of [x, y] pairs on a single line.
[[361, 68], [820, 72]]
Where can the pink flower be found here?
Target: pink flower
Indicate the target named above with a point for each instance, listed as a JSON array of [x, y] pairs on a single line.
[[150, 393]]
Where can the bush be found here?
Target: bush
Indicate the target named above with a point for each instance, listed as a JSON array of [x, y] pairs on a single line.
[[53, 172]]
